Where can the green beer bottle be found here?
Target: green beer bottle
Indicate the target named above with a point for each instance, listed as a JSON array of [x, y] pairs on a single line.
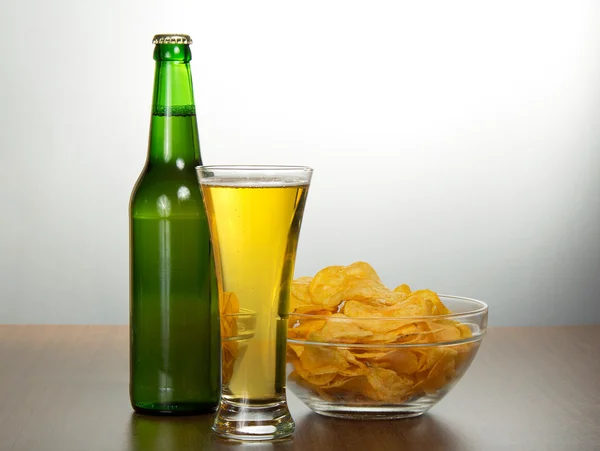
[[174, 336]]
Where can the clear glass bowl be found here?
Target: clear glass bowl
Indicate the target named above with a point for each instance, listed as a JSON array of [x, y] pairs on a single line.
[[382, 367]]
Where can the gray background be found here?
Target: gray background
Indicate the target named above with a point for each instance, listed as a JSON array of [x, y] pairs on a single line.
[[455, 144]]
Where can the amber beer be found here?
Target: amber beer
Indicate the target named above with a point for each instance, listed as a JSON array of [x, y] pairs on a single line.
[[254, 215]]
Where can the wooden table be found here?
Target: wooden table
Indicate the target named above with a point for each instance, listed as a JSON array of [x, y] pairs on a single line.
[[66, 388]]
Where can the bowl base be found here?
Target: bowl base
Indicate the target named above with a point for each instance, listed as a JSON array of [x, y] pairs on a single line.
[[367, 415]]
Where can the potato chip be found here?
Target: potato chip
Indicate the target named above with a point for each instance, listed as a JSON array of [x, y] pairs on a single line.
[[403, 290], [323, 359], [429, 356], [302, 330], [387, 385], [310, 377], [361, 270], [229, 306], [402, 361], [229, 354], [326, 286], [295, 350], [439, 375], [338, 381], [465, 331], [342, 332], [430, 298], [351, 358], [445, 332], [300, 295], [356, 368], [465, 354], [380, 309], [333, 284], [357, 386], [313, 309], [358, 309], [401, 331], [371, 353], [412, 306], [367, 290]]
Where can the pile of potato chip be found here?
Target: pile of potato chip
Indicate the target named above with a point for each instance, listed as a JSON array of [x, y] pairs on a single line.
[[349, 306]]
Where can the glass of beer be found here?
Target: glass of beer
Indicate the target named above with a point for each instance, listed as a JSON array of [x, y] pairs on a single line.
[[254, 214]]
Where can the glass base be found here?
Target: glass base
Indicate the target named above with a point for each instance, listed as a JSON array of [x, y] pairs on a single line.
[[245, 420]]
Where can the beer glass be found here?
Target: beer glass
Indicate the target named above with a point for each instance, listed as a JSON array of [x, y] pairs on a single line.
[[254, 215]]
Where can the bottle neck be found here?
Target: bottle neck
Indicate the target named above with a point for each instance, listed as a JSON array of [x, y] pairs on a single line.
[[173, 129]]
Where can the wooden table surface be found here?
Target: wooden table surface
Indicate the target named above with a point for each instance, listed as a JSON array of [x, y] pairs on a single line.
[[66, 388]]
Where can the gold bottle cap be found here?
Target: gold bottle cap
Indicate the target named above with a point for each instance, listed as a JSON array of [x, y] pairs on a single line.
[[171, 39]]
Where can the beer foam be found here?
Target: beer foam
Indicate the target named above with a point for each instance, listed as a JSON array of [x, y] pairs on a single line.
[[255, 182]]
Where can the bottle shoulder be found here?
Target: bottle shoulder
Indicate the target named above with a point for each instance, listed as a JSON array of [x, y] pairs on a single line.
[[172, 173], [166, 192]]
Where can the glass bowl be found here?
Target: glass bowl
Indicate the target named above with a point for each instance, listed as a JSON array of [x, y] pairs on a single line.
[[382, 367]]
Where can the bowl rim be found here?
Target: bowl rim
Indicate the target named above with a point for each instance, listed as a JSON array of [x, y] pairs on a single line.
[[481, 309]]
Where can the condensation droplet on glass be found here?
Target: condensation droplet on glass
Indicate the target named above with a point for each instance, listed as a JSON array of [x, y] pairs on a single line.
[[180, 163], [183, 193], [163, 206]]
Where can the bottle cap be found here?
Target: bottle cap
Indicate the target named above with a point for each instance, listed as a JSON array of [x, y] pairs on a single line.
[[172, 39]]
